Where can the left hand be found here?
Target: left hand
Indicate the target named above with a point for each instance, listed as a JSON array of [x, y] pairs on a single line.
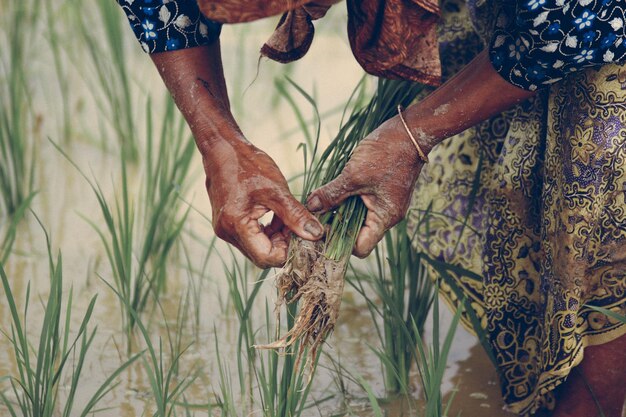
[[382, 170]]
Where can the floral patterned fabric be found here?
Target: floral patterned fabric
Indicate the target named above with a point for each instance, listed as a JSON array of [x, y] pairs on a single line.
[[535, 42], [530, 208], [538, 42], [167, 25]]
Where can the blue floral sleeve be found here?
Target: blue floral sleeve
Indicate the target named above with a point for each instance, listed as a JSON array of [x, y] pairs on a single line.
[[166, 25], [538, 42]]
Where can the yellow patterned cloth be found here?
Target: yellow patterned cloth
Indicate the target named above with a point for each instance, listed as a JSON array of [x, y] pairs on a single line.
[[530, 208]]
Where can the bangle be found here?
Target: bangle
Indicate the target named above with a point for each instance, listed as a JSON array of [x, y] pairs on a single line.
[[420, 152]]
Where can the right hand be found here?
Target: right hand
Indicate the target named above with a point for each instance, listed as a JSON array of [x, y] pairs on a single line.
[[382, 171], [244, 184]]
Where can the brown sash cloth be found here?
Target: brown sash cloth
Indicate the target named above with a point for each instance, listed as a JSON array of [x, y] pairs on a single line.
[[389, 38]]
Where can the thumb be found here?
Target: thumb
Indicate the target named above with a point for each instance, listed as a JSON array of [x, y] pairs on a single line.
[[296, 217], [331, 195]]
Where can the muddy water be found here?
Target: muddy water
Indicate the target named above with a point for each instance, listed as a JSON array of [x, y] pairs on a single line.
[[65, 200]]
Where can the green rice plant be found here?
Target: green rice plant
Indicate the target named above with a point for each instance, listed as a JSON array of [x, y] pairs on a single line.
[[404, 295], [110, 65], [166, 167], [196, 276], [138, 242], [41, 364], [16, 115]]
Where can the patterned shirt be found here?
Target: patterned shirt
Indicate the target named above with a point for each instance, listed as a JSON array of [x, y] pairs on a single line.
[[538, 42], [167, 25], [535, 43]]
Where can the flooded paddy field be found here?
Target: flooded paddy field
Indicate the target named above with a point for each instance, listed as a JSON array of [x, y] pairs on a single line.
[[77, 108]]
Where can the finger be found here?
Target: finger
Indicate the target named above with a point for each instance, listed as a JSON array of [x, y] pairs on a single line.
[[377, 222], [296, 217], [370, 234], [262, 250], [331, 195]]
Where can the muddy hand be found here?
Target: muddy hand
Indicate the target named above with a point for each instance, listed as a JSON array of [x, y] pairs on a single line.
[[244, 184], [382, 170]]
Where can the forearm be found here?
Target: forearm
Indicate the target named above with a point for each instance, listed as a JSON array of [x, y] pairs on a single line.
[[195, 78], [473, 95]]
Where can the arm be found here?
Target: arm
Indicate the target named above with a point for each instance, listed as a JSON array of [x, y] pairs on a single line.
[[243, 183], [385, 166]]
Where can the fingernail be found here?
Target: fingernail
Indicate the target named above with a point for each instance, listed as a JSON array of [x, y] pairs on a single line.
[[313, 228], [314, 203]]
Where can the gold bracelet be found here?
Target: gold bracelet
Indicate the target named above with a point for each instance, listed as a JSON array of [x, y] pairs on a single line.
[[420, 152]]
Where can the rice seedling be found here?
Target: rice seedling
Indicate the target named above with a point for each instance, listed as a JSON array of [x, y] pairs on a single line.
[[16, 115], [314, 272], [54, 16], [9, 230], [431, 362], [196, 286], [283, 386], [42, 364], [428, 356], [140, 233], [266, 383], [110, 65], [166, 382], [447, 272], [166, 168], [404, 294]]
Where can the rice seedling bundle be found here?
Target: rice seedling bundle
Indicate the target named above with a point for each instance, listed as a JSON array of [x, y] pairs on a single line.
[[314, 272]]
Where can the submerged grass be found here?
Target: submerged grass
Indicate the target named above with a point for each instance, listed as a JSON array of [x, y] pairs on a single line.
[[429, 356], [41, 364]]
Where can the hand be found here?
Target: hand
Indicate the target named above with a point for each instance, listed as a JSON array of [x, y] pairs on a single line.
[[382, 170], [244, 184]]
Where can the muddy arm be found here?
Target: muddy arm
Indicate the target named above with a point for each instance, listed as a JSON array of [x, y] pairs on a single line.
[[242, 181], [385, 165], [473, 95]]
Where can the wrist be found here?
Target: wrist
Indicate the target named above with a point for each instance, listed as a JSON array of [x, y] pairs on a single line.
[[418, 137], [421, 149], [215, 139]]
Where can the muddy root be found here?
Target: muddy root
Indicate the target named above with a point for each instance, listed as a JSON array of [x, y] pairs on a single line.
[[317, 282]]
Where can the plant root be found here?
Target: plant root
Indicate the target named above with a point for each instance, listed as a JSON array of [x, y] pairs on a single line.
[[317, 282]]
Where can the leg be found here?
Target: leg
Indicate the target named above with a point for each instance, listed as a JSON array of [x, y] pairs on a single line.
[[603, 370]]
